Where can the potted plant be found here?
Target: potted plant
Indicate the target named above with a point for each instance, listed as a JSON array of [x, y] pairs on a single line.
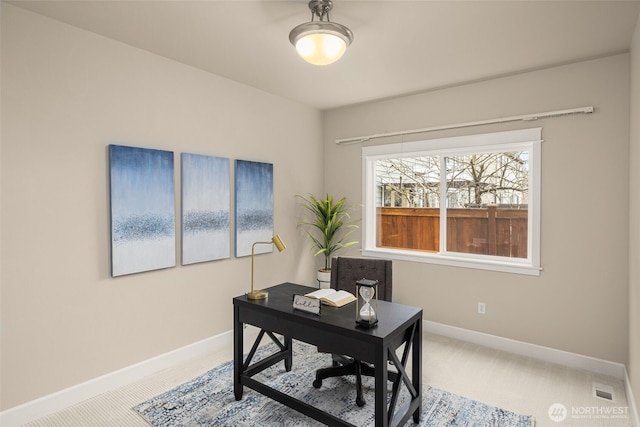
[[330, 225]]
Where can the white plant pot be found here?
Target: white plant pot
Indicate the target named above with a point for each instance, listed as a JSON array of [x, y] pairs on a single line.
[[324, 279]]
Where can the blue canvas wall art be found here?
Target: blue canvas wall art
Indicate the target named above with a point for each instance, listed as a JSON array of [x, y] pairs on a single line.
[[254, 206], [142, 209], [206, 234]]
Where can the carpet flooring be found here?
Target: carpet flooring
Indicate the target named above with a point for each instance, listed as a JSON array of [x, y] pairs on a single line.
[[521, 384], [208, 400]]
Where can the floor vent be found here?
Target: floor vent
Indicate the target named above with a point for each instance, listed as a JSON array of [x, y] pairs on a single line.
[[602, 391]]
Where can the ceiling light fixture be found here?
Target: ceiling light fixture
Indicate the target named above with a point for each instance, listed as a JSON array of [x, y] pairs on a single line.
[[321, 42]]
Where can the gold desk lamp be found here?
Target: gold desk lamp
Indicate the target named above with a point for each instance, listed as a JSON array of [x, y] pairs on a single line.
[[262, 294]]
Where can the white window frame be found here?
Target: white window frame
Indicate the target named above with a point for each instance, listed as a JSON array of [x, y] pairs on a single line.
[[519, 140]]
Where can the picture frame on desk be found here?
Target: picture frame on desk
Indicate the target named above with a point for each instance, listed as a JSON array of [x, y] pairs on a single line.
[[306, 304]]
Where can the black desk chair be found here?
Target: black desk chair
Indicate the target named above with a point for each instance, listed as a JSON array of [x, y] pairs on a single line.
[[344, 274]]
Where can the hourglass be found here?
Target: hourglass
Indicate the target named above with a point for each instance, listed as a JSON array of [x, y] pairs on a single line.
[[366, 314]]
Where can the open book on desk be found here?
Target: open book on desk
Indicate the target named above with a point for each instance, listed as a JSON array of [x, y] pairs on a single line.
[[332, 297]]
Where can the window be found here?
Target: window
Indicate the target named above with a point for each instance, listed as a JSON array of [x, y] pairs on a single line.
[[487, 187]]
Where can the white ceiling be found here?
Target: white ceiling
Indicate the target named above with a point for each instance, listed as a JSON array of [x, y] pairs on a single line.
[[400, 47]]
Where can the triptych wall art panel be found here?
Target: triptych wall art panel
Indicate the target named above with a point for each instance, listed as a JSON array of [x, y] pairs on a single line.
[[142, 209], [254, 206], [143, 218], [205, 208]]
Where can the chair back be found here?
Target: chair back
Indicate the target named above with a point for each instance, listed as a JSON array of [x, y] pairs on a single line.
[[345, 271]]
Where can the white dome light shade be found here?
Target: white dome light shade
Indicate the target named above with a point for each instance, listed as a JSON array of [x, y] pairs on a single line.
[[321, 49], [321, 42]]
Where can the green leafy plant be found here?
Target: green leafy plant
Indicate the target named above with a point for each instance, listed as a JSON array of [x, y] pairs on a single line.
[[330, 225]]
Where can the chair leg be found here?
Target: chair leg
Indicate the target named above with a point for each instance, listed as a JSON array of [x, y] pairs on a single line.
[[354, 367], [325, 373]]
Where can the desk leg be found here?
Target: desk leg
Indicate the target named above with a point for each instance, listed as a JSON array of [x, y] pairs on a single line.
[[288, 345], [417, 368], [237, 353], [381, 376]]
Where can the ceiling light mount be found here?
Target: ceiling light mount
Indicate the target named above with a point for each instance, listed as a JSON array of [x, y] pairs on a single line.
[[321, 42], [320, 8]]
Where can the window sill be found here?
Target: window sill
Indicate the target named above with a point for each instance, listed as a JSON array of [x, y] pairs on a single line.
[[491, 264]]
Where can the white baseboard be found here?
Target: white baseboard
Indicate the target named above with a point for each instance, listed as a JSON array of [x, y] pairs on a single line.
[[539, 352], [46, 405], [547, 354], [633, 409]]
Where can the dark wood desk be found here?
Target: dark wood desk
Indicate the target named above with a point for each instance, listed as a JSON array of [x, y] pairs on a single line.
[[334, 331]]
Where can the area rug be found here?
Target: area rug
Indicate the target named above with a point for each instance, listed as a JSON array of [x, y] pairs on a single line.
[[208, 400]]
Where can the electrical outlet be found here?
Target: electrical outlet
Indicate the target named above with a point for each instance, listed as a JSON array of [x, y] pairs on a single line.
[[482, 308]]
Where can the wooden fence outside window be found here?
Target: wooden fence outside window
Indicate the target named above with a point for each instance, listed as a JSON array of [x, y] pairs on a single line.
[[487, 230]]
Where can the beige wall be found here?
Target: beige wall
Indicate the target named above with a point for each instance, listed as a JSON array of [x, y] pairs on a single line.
[[66, 95], [579, 302], [634, 224]]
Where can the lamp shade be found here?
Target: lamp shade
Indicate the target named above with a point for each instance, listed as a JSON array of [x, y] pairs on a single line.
[[321, 42], [279, 243]]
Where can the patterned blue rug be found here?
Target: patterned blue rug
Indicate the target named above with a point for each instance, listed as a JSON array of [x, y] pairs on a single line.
[[208, 400]]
